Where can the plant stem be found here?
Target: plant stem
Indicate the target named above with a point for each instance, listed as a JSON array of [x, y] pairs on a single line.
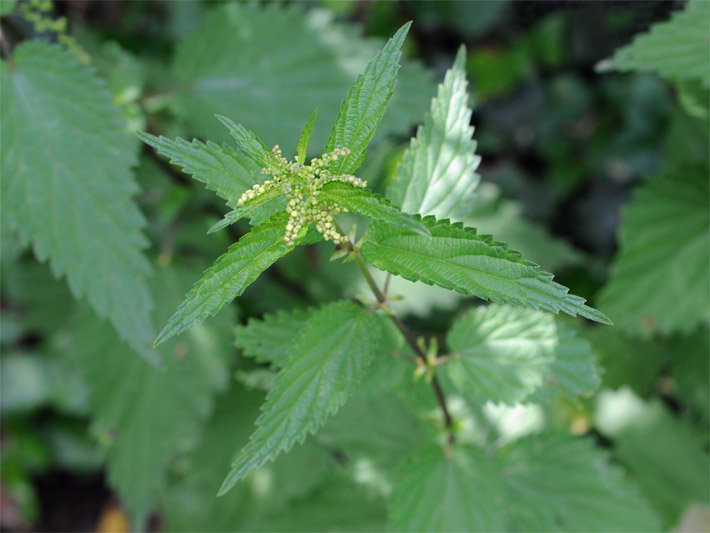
[[411, 340]]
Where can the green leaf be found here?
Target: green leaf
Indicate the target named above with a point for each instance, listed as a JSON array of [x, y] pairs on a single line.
[[457, 258], [302, 149], [221, 68], [221, 169], [67, 184], [676, 49], [230, 275], [491, 214], [660, 280], [325, 363], [365, 105], [270, 340], [7, 7], [437, 173], [434, 492], [663, 452], [554, 482], [142, 415], [690, 370], [258, 210], [505, 354], [366, 203], [248, 143]]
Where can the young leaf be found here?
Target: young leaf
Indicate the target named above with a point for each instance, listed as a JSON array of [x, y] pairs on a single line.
[[230, 275], [439, 493], [366, 203], [302, 149], [258, 209], [67, 184], [676, 49], [365, 105], [142, 414], [560, 483], [506, 353], [222, 170], [457, 258], [660, 280], [270, 340], [248, 143], [437, 173], [312, 61], [324, 364]]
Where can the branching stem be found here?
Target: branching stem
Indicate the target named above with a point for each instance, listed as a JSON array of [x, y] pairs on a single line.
[[411, 340]]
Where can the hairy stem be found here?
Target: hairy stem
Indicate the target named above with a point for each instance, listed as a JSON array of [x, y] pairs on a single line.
[[411, 340]]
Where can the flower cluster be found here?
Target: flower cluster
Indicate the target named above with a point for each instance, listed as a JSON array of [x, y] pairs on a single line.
[[301, 184]]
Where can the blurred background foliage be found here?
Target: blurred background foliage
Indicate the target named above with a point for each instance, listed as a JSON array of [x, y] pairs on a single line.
[[563, 146]]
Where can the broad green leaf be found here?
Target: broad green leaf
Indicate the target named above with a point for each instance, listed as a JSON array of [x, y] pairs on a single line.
[[230, 275], [221, 68], [434, 492], [67, 184], [676, 49], [190, 503], [554, 482], [457, 258], [691, 367], [141, 414], [325, 363], [302, 148], [258, 210], [366, 203], [270, 340], [663, 452], [221, 169], [491, 214], [365, 105], [660, 280], [505, 354], [437, 174]]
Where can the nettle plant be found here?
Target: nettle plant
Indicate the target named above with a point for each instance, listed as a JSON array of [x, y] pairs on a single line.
[[506, 352]]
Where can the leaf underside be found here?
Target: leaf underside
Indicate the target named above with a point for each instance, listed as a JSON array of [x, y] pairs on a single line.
[[437, 173]]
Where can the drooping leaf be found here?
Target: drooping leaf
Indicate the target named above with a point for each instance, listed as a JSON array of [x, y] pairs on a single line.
[[312, 61], [270, 340], [457, 258], [434, 492], [554, 482], [676, 49], [364, 107], [325, 363], [662, 451], [302, 148], [67, 184], [660, 280], [366, 203], [143, 414], [221, 169], [504, 354], [437, 174], [230, 275]]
